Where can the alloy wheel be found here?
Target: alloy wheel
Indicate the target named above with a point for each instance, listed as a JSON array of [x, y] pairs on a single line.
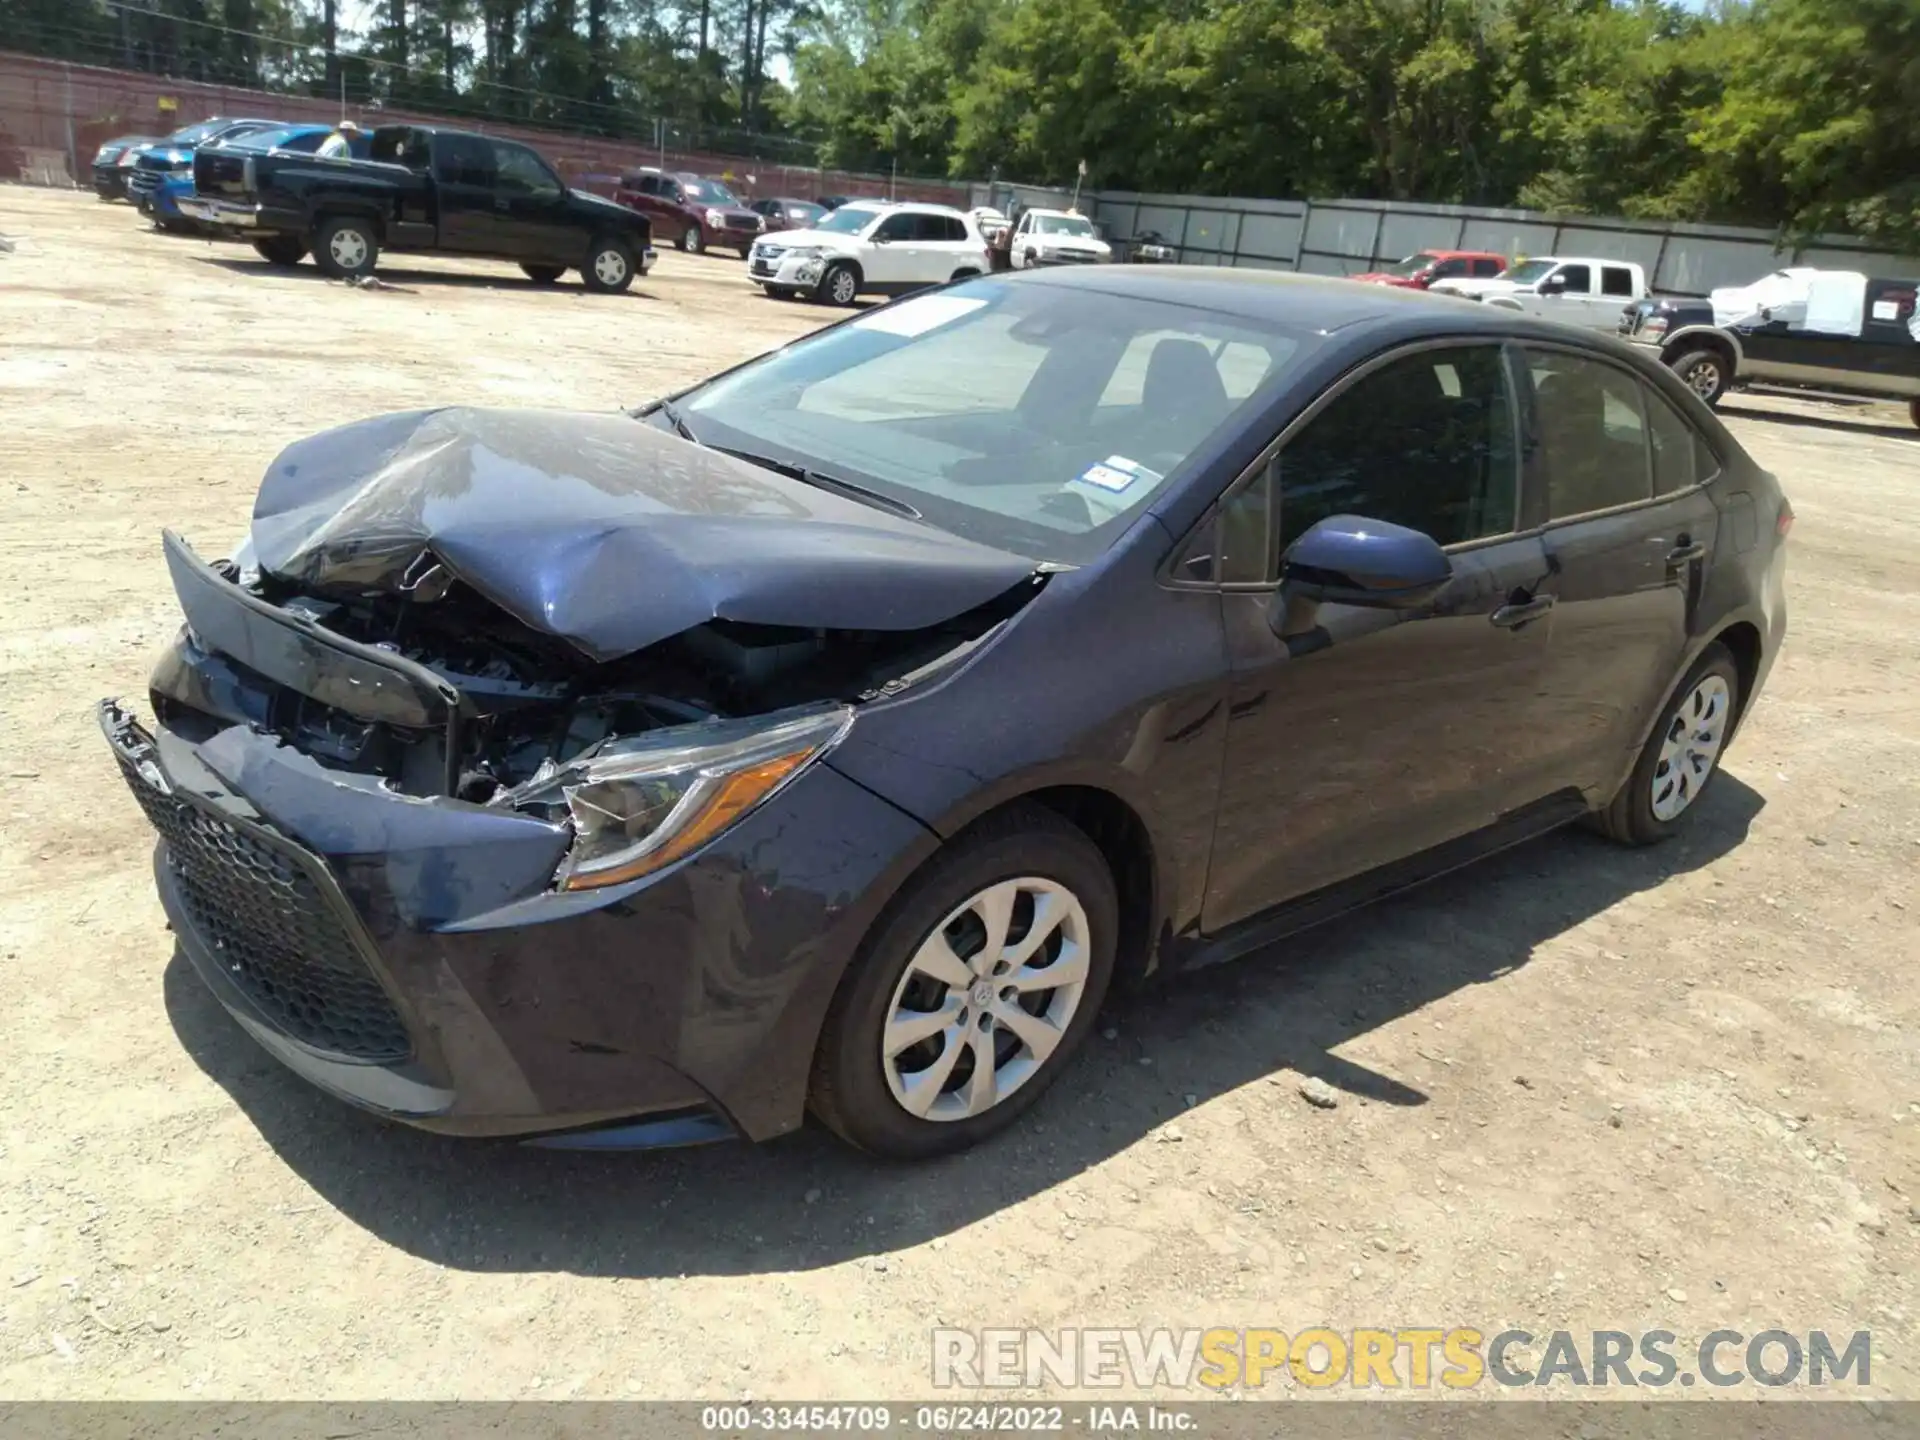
[[1695, 732], [1704, 378], [986, 999], [844, 287]]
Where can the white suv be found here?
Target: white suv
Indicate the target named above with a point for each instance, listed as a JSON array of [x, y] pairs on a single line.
[[869, 248]]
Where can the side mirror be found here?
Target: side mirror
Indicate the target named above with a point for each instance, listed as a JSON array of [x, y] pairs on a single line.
[[1554, 285], [1350, 560]]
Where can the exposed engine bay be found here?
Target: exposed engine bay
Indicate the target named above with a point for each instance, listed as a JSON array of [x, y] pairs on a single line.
[[537, 702]]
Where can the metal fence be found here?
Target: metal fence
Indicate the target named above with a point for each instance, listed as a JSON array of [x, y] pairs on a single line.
[[54, 114], [1348, 237]]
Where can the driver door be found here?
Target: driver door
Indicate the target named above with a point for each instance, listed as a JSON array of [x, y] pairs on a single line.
[[1358, 737], [892, 257], [529, 198]]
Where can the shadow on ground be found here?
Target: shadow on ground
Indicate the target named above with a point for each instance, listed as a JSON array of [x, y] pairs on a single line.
[[1835, 415], [737, 1208], [397, 277]]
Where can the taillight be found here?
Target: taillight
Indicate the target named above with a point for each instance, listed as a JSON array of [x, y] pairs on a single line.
[[1785, 522]]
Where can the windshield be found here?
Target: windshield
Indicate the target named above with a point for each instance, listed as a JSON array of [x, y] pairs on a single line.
[[193, 134], [1063, 225], [1529, 272], [273, 139], [1038, 419], [847, 220], [708, 192], [1413, 265]]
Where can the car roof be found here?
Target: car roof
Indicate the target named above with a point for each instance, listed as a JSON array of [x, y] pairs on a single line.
[[1284, 298], [1460, 254]]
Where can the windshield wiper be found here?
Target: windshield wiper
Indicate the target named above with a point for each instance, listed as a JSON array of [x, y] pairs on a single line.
[[680, 426], [820, 480]]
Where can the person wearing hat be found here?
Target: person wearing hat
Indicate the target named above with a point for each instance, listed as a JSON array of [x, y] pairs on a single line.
[[339, 145]]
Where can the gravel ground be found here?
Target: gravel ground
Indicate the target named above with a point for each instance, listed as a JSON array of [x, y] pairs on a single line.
[[1577, 1087]]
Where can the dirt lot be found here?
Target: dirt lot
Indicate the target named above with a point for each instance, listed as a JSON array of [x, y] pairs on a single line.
[[1579, 1087]]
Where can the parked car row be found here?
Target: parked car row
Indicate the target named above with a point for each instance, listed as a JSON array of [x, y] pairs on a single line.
[[1833, 331]]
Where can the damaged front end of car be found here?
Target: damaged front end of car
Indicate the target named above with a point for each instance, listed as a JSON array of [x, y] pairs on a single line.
[[483, 770]]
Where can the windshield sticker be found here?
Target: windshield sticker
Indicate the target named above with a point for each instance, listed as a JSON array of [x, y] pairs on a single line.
[[1117, 473], [1886, 309], [919, 315]]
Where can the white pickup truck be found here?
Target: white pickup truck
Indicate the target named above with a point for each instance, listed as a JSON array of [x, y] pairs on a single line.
[[1576, 290]]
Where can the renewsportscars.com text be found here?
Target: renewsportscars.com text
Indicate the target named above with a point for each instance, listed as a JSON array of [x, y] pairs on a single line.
[[1405, 1357]]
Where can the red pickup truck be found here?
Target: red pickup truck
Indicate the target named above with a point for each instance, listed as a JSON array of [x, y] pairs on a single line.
[[1422, 268]]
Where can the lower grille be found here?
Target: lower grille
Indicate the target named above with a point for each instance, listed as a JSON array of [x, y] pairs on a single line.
[[764, 267], [275, 927]]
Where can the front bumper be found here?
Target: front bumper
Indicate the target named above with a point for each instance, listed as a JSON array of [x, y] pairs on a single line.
[[785, 269], [223, 214], [408, 956], [110, 181]]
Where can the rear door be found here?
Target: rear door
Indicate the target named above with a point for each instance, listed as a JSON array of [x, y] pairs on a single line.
[[463, 182], [1630, 530]]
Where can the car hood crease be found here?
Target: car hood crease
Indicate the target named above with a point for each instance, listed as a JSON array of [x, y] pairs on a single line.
[[602, 530]]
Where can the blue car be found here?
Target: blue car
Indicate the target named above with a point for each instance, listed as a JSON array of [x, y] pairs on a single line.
[[163, 172], [830, 736], [224, 158]]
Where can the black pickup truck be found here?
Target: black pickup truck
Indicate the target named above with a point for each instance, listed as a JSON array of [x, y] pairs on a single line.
[[1827, 331], [423, 190]]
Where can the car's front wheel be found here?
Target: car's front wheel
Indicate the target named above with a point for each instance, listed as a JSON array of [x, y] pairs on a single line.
[[345, 247], [840, 285], [692, 240], [1682, 755], [609, 267], [1705, 372], [973, 990]]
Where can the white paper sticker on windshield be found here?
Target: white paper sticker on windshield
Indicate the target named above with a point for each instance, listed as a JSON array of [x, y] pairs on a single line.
[[918, 315], [1886, 309], [1108, 478]]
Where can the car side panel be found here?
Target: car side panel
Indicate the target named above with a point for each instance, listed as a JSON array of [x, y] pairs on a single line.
[[1045, 704]]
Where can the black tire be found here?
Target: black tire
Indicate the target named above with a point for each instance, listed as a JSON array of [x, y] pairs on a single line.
[[693, 240], [1630, 817], [1705, 371], [746, 252], [850, 1092], [780, 292], [609, 268], [965, 272], [544, 274], [346, 236], [283, 250], [840, 285], [1913, 412]]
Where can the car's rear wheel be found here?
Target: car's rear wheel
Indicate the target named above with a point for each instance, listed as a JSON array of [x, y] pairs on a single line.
[[544, 274], [284, 250], [840, 285], [1682, 755], [1913, 411], [609, 267], [1705, 372], [692, 240], [345, 247], [973, 990]]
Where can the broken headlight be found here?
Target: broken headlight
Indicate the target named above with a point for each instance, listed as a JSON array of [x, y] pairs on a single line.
[[639, 804]]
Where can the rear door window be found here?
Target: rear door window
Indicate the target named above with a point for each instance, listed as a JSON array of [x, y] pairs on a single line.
[[1616, 280]]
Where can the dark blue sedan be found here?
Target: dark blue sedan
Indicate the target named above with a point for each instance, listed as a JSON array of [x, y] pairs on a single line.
[[835, 735]]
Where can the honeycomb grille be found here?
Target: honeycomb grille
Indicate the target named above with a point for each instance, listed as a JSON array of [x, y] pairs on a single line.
[[275, 929]]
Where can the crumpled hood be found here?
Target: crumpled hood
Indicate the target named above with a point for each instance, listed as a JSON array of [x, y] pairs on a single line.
[[603, 531]]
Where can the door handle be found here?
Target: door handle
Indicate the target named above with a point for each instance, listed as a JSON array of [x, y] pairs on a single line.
[[1516, 613], [1685, 553]]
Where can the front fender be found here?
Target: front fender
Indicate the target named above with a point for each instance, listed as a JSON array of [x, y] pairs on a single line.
[[1676, 342]]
